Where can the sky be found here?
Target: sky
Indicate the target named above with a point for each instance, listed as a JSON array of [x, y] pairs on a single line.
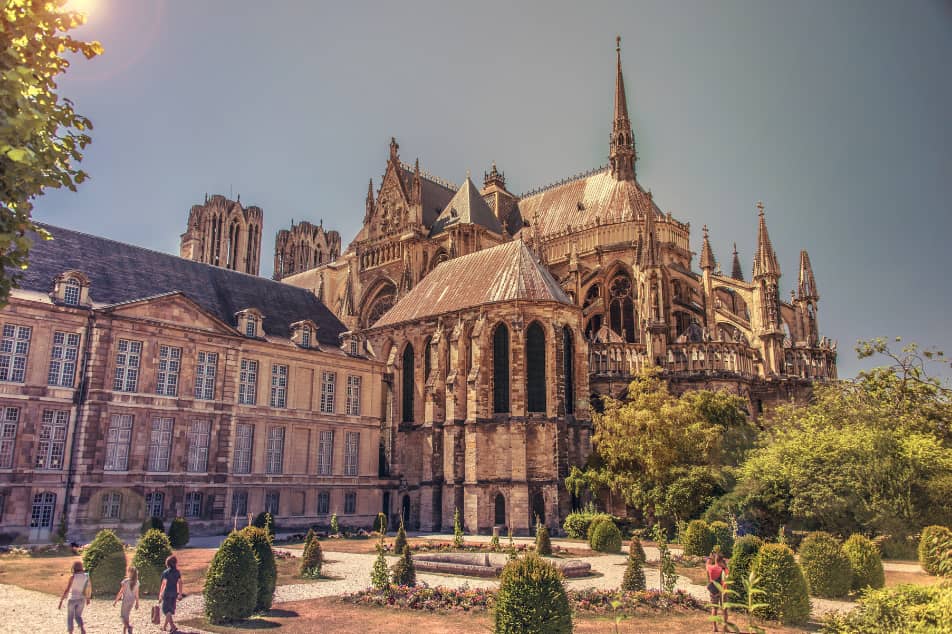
[[835, 114]]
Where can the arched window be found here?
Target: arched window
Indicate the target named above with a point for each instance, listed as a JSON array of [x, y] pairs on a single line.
[[427, 358], [501, 369], [592, 296], [593, 326], [500, 514], [621, 309], [538, 508], [233, 232], [568, 369], [408, 384], [535, 368]]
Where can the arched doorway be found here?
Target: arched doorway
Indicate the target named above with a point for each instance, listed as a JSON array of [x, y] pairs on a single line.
[[405, 511], [538, 508], [499, 517]]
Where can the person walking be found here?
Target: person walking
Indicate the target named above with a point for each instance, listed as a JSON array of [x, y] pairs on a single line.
[[170, 592], [716, 581], [79, 590], [129, 593]]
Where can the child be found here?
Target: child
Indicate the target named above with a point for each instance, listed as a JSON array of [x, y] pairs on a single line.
[[79, 591], [129, 593]]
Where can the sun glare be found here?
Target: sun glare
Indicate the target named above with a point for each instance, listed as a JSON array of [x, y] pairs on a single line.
[[86, 7]]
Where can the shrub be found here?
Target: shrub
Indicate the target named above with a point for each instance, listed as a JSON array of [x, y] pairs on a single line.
[[178, 533], [543, 544], [577, 523], [312, 560], [532, 598], [260, 542], [865, 562], [606, 538], [457, 530], [596, 520], [151, 552], [152, 522], [742, 556], [105, 561], [404, 574], [335, 527], [902, 609], [266, 521], [825, 566], [400, 542], [635, 549], [698, 539], [723, 537], [231, 582], [634, 578], [928, 553], [785, 589], [897, 547], [380, 524], [379, 579]]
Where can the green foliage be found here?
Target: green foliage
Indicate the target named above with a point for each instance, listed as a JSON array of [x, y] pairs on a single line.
[[667, 577], [785, 589], [457, 530], [532, 599], [404, 573], [379, 578], [903, 609], [151, 552], [380, 524], [542, 543], [899, 546], [231, 582], [865, 562], [634, 578], [335, 527], [745, 549], [578, 523], [312, 560], [266, 521], [400, 542], [698, 539], [178, 533], [723, 536], [825, 566], [606, 538], [494, 542], [741, 597], [41, 137], [152, 522], [929, 553], [260, 542], [596, 520], [105, 561]]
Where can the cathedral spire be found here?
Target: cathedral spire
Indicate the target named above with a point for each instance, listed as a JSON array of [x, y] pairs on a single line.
[[765, 260], [707, 256], [370, 201], [622, 148], [736, 271], [806, 289]]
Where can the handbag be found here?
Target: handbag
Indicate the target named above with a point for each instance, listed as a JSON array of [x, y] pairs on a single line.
[[156, 614]]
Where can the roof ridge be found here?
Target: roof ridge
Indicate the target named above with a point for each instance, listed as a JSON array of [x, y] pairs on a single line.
[[436, 180], [564, 181]]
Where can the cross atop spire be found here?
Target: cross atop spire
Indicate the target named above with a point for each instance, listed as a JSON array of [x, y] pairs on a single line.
[[622, 148], [707, 255], [765, 259]]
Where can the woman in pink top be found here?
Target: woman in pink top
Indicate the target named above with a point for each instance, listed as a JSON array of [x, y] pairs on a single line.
[[716, 574]]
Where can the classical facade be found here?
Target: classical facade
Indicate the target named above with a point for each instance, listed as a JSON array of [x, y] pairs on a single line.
[[223, 233]]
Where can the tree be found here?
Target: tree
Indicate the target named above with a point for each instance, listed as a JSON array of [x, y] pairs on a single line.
[[401, 539], [260, 542], [41, 137], [379, 578], [231, 583], [404, 572], [312, 560], [105, 561], [151, 552], [457, 530]]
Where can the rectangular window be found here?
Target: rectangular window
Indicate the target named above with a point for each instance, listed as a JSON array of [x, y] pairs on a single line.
[[248, 382], [275, 450], [323, 502], [206, 370], [239, 503], [193, 504], [272, 502], [128, 358], [306, 337], [353, 396], [170, 362], [325, 453], [111, 505], [63, 356], [52, 440], [198, 439], [244, 436], [279, 385], [14, 349], [155, 504], [251, 326], [328, 387], [118, 440], [160, 444], [351, 449], [8, 436], [71, 291], [350, 503]]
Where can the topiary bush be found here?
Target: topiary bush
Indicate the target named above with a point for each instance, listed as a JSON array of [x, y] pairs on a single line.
[[178, 533], [404, 573], [379, 578], [742, 557], [151, 522], [105, 561], [266, 521], [380, 524], [312, 560], [400, 542], [634, 578], [785, 588], [260, 542], [596, 520], [928, 553], [577, 523], [865, 562], [457, 530], [606, 538], [542, 543], [723, 537], [335, 526], [827, 569], [698, 539], [635, 549], [532, 598], [231, 582], [151, 552]]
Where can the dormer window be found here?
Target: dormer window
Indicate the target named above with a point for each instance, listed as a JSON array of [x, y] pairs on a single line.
[[251, 326], [71, 292], [71, 288], [249, 322], [354, 346], [306, 337], [303, 333]]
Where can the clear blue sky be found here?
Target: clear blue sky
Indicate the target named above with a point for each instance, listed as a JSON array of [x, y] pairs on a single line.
[[835, 114]]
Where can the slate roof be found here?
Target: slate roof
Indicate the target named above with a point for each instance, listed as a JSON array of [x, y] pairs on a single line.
[[435, 195], [120, 272], [502, 273], [467, 207]]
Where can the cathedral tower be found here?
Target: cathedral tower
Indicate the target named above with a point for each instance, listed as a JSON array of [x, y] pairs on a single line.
[[222, 233], [622, 149]]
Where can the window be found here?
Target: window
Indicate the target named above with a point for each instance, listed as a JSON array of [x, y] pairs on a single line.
[[239, 503], [14, 349], [8, 436], [353, 396], [325, 453], [306, 337], [41, 515], [351, 449], [52, 440], [193, 504], [111, 504], [155, 504], [251, 326], [243, 440], [170, 361], [354, 346], [63, 357], [198, 438], [160, 444], [621, 308], [279, 385], [248, 382], [118, 439], [408, 384], [501, 369], [205, 372], [297, 502], [275, 450], [272, 502], [323, 502], [535, 368], [328, 387], [350, 503], [3, 500], [71, 292], [128, 357], [568, 369]]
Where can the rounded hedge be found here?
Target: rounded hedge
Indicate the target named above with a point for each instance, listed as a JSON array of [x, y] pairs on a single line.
[[742, 558], [698, 539], [865, 562], [105, 561], [260, 543], [312, 561], [928, 553], [151, 552], [532, 598], [178, 533], [827, 569], [543, 544], [594, 522], [785, 589], [152, 522], [231, 582], [606, 538], [723, 537], [404, 573]]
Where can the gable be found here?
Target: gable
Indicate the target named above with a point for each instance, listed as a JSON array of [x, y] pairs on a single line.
[[175, 309]]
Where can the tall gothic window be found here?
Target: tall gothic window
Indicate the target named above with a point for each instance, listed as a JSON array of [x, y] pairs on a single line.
[[621, 308], [501, 369], [233, 231], [427, 358], [408, 384], [535, 368], [568, 369]]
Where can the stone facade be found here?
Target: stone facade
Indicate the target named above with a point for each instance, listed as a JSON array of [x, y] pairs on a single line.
[[223, 233], [303, 247]]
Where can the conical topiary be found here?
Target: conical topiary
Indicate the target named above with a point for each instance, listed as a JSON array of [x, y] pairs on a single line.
[[532, 598], [151, 552], [231, 582], [457, 530], [634, 578], [543, 544], [785, 588], [105, 561], [312, 560], [379, 577], [400, 541], [404, 574], [260, 542]]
